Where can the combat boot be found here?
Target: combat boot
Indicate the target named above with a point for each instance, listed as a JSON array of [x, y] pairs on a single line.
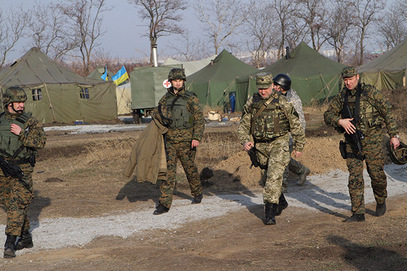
[[197, 199], [282, 204], [161, 209], [303, 176], [25, 241], [380, 209], [10, 246], [270, 213], [355, 218]]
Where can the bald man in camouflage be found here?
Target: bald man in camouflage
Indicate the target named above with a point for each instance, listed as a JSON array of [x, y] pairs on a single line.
[[363, 132], [267, 121]]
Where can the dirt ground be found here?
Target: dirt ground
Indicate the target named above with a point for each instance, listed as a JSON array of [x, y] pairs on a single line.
[[80, 176]]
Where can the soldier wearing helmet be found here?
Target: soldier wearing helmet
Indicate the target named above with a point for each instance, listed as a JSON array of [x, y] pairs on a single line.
[[180, 111], [269, 119], [363, 132], [20, 137], [282, 84]]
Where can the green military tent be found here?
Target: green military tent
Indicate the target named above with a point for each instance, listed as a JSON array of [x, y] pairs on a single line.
[[123, 91], [98, 72], [314, 76], [389, 70], [213, 83], [56, 94], [190, 67], [148, 86]]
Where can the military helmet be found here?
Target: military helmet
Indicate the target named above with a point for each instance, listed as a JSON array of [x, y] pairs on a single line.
[[282, 80], [399, 155], [14, 94], [177, 73]]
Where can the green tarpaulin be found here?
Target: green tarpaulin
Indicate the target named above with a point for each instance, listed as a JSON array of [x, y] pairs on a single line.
[[388, 71], [56, 94], [213, 83], [314, 76], [147, 85]]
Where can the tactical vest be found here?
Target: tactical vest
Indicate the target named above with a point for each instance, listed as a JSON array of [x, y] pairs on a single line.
[[271, 122], [180, 115], [369, 117], [10, 145]]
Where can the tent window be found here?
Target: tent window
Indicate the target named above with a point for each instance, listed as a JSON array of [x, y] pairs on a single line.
[[37, 94], [84, 93]]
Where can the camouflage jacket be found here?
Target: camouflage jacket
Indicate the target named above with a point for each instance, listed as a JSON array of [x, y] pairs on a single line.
[[193, 106], [374, 110], [293, 97], [289, 113], [32, 135]]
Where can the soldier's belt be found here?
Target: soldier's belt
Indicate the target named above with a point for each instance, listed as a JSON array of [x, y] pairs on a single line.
[[265, 140]]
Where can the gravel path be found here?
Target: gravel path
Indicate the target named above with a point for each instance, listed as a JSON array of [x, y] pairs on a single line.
[[322, 193]]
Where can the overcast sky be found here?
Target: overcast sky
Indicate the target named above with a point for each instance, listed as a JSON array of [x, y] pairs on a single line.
[[124, 30]]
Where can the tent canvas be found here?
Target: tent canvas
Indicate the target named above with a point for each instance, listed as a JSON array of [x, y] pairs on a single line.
[[190, 67], [123, 95], [56, 94], [388, 71], [314, 76], [123, 91], [147, 85], [97, 73], [213, 83]]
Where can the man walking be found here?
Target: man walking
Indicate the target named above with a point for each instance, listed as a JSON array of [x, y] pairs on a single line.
[[360, 112], [269, 119]]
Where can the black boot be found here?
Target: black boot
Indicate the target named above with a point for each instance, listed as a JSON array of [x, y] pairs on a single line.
[[355, 218], [270, 213], [197, 199], [160, 209], [10, 246], [282, 204], [25, 241]]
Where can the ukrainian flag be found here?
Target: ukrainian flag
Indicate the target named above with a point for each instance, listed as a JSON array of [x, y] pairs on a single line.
[[104, 76], [120, 76]]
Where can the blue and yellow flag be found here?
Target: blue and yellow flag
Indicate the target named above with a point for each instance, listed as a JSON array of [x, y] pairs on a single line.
[[104, 76], [120, 76]]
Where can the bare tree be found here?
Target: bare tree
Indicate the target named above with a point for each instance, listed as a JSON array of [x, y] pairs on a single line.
[[193, 49], [85, 20], [221, 18], [283, 10], [313, 13], [367, 12], [46, 31], [12, 28], [261, 32], [393, 25], [162, 16], [339, 25]]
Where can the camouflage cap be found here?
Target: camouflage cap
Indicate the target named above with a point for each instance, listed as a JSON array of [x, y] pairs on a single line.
[[349, 72], [264, 80]]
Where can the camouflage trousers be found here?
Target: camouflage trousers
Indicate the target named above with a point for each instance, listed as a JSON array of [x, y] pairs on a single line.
[[374, 158], [276, 156], [16, 198], [186, 155], [294, 166]]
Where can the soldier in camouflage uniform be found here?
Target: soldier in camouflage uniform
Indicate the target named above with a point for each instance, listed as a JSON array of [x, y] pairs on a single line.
[[282, 84], [180, 111], [268, 119], [369, 112], [20, 137]]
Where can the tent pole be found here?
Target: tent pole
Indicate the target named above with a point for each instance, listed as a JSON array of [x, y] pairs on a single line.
[[50, 104]]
